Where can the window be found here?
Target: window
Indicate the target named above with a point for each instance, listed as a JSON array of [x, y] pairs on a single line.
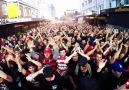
[[86, 10], [82, 4], [102, 7], [85, 2], [89, 1], [126, 1]]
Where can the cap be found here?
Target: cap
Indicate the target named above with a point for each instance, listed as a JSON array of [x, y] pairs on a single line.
[[47, 50], [47, 71], [116, 66], [90, 47], [82, 61]]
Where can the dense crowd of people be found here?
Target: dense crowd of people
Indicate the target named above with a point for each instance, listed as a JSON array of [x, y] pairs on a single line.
[[65, 56]]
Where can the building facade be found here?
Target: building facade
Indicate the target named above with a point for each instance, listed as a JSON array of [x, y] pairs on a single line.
[[90, 6], [20, 8]]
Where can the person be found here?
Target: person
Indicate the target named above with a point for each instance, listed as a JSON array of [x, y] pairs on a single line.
[[48, 59], [6, 82], [88, 83], [47, 80], [120, 76]]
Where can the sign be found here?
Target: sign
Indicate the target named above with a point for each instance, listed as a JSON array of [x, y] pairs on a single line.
[[122, 10], [12, 9]]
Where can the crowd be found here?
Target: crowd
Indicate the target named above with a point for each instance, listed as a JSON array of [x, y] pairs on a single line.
[[65, 56]]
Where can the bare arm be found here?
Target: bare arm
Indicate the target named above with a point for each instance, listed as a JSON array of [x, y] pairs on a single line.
[[5, 76], [33, 75], [20, 68], [9, 50], [68, 58], [107, 50], [66, 48], [38, 64], [86, 46], [116, 55], [84, 55], [101, 50], [92, 51]]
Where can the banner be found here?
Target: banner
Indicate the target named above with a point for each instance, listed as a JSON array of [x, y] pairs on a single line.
[[12, 9]]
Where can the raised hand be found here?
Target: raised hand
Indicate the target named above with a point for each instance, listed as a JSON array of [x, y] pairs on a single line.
[[9, 57], [51, 41], [30, 44], [28, 57], [102, 63]]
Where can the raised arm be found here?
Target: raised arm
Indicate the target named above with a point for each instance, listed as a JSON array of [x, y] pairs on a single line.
[[121, 39], [86, 46], [66, 48], [8, 49], [116, 55], [92, 51], [68, 58], [55, 47], [38, 64], [84, 55], [33, 75], [5, 76]]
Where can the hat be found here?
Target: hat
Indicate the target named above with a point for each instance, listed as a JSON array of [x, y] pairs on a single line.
[[90, 47], [47, 71], [47, 50], [82, 61], [116, 66]]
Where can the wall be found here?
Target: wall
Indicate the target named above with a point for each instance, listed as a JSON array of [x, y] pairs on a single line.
[[21, 11]]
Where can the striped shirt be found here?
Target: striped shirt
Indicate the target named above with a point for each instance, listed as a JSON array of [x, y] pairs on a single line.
[[62, 66]]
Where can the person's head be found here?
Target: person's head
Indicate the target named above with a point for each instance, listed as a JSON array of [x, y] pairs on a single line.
[[75, 57], [117, 69], [19, 42], [64, 40], [83, 64], [31, 67], [39, 40], [98, 57], [62, 52], [72, 40], [48, 74], [83, 42], [47, 52], [9, 38], [45, 42], [101, 43], [126, 34], [115, 40], [75, 33]]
